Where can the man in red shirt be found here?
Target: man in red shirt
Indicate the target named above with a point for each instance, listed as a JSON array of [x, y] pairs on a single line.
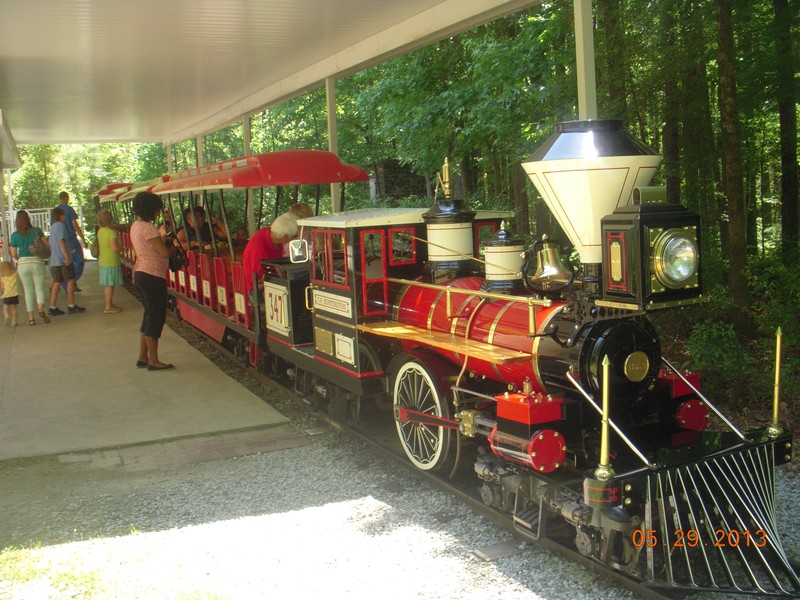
[[267, 243]]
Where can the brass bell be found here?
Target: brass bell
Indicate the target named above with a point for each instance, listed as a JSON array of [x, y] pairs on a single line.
[[551, 271]]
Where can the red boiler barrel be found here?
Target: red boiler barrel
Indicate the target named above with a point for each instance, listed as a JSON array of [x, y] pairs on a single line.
[[503, 323]]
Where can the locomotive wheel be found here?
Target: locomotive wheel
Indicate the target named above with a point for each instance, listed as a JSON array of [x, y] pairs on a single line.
[[427, 447]]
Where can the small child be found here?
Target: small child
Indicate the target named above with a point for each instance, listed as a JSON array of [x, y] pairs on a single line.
[[9, 283]]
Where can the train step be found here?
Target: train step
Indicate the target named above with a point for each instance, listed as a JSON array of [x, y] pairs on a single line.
[[528, 520]]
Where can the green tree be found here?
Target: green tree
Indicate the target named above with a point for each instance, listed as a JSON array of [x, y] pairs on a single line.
[[37, 182]]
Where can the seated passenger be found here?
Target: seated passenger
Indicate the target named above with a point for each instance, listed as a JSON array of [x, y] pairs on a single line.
[[168, 226], [240, 237], [267, 243], [197, 232]]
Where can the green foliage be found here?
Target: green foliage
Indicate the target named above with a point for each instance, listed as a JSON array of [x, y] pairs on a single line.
[[37, 182], [740, 366], [224, 144], [300, 122], [151, 162], [81, 170], [724, 362], [775, 297], [184, 155]]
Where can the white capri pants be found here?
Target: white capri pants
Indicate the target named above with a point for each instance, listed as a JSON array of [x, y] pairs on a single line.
[[32, 271]]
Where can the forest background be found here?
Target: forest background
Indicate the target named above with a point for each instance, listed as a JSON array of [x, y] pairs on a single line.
[[709, 84]]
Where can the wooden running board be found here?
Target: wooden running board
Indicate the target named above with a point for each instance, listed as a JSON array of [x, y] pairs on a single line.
[[445, 341]]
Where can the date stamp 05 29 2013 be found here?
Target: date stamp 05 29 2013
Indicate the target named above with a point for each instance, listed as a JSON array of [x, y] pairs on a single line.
[[692, 538]]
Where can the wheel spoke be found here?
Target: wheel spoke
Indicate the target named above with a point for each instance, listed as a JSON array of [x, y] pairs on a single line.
[[425, 445]]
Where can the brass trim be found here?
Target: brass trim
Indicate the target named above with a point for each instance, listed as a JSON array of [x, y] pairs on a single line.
[[498, 317], [323, 341], [535, 346], [481, 293], [615, 258], [604, 472], [432, 308], [401, 294], [344, 324], [774, 429], [490, 339], [636, 366], [620, 305], [456, 318], [686, 302]]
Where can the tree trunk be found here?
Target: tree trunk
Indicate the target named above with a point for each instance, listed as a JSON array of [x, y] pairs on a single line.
[[611, 23], [751, 201], [732, 155], [671, 135], [699, 153], [787, 108]]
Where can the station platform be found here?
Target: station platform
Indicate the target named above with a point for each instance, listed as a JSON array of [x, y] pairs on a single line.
[[73, 386]]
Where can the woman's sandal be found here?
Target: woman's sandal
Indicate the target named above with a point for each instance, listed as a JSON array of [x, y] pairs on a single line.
[[31, 322], [44, 316]]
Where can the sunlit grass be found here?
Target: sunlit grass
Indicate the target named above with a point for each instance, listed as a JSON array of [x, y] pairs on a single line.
[[28, 572]]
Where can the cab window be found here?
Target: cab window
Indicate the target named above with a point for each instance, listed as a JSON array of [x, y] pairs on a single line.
[[330, 257], [403, 246], [373, 272]]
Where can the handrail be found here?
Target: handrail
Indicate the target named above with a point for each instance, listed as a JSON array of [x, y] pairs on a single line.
[[613, 425]]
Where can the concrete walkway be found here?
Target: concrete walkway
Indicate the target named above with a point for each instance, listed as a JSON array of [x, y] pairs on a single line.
[[72, 386]]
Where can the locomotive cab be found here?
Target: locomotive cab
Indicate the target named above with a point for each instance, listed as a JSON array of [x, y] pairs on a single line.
[[357, 262]]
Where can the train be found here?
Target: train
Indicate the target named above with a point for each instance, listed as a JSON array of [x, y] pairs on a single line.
[[475, 346]]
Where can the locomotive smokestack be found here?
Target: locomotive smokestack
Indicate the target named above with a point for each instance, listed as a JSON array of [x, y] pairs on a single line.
[[586, 170]]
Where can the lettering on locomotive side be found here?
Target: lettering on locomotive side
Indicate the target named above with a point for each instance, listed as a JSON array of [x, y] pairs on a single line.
[[276, 306], [333, 304]]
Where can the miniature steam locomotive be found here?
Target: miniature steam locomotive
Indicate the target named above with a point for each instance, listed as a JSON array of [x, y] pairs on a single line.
[[580, 429]]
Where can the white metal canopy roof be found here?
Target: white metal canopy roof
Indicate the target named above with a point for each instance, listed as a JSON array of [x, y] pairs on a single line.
[[75, 71]]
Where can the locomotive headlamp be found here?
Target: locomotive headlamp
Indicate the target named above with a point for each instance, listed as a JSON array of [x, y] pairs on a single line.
[[675, 258], [651, 257]]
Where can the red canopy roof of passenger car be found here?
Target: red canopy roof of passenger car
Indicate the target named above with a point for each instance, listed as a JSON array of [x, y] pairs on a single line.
[[112, 188], [286, 167], [145, 186]]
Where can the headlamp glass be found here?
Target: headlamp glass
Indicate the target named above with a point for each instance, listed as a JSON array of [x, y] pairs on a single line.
[[675, 259]]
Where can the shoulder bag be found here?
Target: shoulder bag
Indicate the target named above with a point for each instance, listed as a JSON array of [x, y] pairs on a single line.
[[38, 247]]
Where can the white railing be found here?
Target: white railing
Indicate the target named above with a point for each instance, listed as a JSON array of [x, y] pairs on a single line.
[[40, 217]]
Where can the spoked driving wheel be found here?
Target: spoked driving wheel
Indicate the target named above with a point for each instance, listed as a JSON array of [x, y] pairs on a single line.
[[427, 446]]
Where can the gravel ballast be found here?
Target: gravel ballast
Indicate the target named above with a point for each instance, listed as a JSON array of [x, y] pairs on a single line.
[[326, 518]]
